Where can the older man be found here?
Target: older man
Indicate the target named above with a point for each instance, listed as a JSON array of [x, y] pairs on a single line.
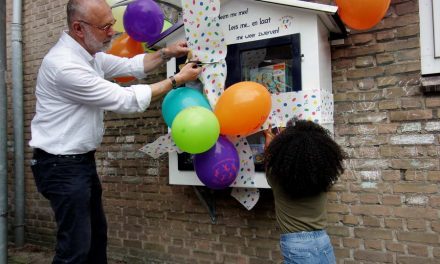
[[72, 94]]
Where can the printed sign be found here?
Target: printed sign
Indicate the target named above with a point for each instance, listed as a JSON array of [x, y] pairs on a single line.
[[248, 22]]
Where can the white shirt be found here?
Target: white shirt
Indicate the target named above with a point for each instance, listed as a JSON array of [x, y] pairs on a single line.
[[72, 95]]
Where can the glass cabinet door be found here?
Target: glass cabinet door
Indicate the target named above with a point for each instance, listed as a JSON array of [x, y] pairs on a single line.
[[271, 67]]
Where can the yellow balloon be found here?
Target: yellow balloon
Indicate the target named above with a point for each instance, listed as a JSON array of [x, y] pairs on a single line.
[[166, 25], [118, 14]]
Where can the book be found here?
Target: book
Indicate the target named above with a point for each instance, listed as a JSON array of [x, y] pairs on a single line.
[[273, 77]]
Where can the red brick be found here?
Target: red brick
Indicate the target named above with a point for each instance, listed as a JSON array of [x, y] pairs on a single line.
[[419, 237], [374, 244], [415, 188], [373, 233], [411, 115], [374, 256]]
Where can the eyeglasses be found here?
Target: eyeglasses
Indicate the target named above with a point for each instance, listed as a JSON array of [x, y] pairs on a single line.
[[105, 28]]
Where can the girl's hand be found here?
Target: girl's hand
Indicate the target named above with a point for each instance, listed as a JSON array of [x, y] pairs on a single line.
[[269, 135]]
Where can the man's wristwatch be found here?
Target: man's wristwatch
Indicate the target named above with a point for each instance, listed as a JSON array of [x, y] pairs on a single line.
[[173, 81]]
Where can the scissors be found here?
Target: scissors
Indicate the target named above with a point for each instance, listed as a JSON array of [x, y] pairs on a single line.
[[199, 63]]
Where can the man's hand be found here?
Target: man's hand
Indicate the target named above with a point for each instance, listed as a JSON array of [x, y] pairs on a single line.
[[177, 49], [189, 72], [154, 60]]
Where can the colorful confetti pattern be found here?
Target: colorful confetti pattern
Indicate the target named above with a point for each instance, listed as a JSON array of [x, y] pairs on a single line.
[[162, 145], [248, 197], [245, 176], [313, 105], [206, 40]]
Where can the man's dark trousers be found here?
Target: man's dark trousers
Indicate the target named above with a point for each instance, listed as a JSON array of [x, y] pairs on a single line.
[[71, 184]]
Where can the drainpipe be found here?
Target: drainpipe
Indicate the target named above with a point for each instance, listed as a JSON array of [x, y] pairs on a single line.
[[3, 140], [17, 86]]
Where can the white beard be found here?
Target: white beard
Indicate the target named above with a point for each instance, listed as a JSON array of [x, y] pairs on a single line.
[[93, 44]]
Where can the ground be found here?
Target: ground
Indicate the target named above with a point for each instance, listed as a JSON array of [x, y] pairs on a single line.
[[31, 254]]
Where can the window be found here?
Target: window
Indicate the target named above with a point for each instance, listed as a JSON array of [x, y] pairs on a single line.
[[275, 63], [430, 36]]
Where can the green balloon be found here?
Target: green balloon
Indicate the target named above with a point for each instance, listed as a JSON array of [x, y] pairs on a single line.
[[195, 129]]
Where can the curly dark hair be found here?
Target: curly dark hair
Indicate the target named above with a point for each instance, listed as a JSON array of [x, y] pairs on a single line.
[[304, 159]]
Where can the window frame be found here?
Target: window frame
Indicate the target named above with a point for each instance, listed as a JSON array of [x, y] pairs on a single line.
[[429, 11], [436, 24]]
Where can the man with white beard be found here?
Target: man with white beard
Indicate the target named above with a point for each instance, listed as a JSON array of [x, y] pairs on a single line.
[[72, 94]]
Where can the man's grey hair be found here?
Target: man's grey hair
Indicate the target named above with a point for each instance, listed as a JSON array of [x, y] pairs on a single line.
[[77, 9], [74, 10]]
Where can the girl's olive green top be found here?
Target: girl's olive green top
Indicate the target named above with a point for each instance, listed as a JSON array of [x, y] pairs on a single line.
[[301, 214]]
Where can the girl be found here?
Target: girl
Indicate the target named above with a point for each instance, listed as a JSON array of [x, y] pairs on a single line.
[[302, 163]]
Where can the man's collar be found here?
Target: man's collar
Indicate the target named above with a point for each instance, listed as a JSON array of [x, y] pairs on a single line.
[[72, 43]]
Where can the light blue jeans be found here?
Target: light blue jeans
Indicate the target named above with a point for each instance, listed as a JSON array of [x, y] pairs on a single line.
[[307, 248]]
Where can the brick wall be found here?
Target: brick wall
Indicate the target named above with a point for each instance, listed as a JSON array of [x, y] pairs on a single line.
[[385, 208]]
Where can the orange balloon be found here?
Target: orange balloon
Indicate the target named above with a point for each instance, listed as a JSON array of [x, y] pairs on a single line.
[[125, 46], [362, 14], [124, 79], [243, 108]]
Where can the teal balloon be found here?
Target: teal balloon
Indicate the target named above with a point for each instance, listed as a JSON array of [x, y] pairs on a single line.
[[195, 129], [180, 99]]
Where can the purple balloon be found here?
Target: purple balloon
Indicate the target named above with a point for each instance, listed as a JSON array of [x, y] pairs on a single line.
[[218, 167], [143, 20]]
